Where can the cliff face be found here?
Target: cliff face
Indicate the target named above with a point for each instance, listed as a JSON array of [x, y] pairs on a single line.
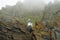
[[11, 32], [14, 33]]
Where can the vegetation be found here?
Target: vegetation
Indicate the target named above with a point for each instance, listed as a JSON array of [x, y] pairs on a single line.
[[19, 11], [13, 21]]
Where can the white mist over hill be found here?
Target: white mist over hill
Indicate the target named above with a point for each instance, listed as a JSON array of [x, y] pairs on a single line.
[[3, 3]]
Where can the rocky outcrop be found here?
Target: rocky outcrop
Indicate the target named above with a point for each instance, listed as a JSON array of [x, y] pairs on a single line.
[[14, 33]]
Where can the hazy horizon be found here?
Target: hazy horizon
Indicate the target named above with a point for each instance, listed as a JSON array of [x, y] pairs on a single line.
[[3, 3]]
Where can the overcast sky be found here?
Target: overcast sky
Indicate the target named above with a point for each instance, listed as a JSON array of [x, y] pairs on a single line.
[[3, 3]]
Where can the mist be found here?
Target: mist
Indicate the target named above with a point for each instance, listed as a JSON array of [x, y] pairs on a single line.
[[23, 8], [29, 20], [28, 3]]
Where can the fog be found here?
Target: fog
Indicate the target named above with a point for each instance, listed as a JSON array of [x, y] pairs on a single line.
[[28, 3]]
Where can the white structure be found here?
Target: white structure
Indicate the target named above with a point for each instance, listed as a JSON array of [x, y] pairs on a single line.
[[29, 23]]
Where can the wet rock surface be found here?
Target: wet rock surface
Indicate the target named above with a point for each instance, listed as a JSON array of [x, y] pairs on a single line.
[[14, 34]]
